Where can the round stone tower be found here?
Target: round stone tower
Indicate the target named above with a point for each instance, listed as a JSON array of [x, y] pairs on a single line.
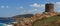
[[49, 7]]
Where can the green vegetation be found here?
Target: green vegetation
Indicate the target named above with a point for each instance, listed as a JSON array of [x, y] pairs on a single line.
[[51, 21]]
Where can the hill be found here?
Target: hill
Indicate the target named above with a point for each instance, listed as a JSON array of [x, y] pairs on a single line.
[[23, 16], [51, 21]]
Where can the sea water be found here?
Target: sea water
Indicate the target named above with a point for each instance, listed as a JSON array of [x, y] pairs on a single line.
[[2, 24], [5, 22]]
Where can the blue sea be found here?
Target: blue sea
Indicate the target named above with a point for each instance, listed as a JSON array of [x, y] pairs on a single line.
[[3, 22]]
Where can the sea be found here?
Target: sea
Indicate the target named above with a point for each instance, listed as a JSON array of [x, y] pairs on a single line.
[[2, 24], [5, 22]]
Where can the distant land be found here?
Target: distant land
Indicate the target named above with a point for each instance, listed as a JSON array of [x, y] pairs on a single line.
[[24, 15]]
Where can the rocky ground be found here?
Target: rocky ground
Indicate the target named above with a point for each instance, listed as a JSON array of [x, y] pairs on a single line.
[[51, 21], [29, 21]]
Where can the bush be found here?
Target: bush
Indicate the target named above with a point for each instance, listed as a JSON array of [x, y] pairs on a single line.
[[51, 21]]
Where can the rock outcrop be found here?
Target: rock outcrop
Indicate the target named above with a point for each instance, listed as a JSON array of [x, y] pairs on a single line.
[[30, 20]]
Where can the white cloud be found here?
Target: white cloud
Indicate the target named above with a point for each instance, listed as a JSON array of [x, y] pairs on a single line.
[[29, 11], [23, 12], [2, 6], [7, 6], [36, 5], [36, 8], [57, 6], [58, 3], [20, 8], [58, 11], [42, 5], [34, 11]]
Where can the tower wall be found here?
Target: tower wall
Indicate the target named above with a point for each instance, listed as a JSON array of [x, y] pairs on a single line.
[[49, 7]]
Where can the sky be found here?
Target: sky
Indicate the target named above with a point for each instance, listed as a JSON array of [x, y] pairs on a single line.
[[9, 8]]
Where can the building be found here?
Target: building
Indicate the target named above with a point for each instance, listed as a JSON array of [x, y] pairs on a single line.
[[49, 7]]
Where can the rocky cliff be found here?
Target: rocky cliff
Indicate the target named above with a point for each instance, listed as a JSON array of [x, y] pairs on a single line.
[[28, 21]]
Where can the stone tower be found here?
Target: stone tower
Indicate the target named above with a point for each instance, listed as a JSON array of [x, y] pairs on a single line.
[[49, 7]]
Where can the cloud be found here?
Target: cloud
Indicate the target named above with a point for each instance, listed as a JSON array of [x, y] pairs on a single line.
[[36, 8], [29, 11], [35, 11], [32, 11], [20, 8], [4, 6], [58, 3], [23, 12], [36, 5], [57, 6], [7, 6], [58, 10]]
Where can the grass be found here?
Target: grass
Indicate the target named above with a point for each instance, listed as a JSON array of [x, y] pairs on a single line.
[[51, 21]]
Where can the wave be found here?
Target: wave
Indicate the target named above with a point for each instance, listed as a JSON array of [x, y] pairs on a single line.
[[9, 25], [2, 24]]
